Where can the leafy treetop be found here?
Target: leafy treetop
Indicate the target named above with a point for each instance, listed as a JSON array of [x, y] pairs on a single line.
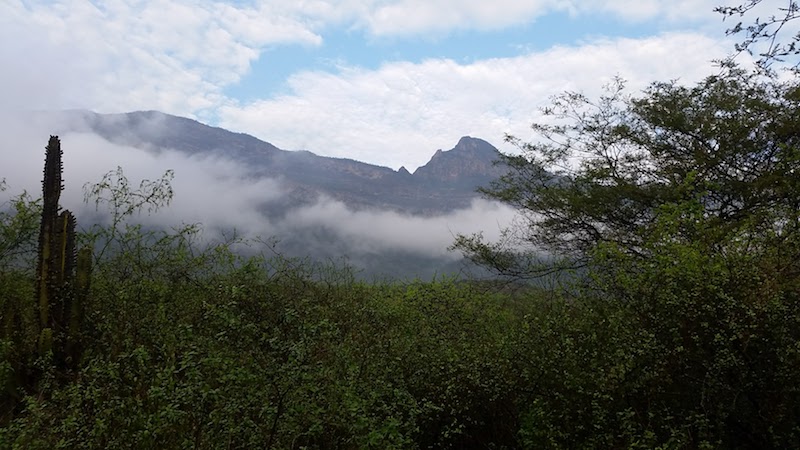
[[609, 171]]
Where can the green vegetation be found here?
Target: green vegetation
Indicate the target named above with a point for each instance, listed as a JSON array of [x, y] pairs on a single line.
[[678, 213]]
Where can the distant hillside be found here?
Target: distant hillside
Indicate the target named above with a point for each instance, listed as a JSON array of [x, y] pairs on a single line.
[[407, 208], [446, 183]]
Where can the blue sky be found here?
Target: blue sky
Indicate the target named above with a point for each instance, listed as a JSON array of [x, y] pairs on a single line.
[[351, 47], [382, 81]]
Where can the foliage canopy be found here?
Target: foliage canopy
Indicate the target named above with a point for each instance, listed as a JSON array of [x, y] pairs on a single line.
[[716, 164]]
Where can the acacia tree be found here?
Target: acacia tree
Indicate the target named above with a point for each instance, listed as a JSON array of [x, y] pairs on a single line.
[[609, 171]]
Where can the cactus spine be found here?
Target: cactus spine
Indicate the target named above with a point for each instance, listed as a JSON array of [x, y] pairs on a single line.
[[60, 291]]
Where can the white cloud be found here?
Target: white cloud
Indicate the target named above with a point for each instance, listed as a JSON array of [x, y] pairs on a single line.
[[640, 10], [409, 17], [174, 56], [414, 17], [375, 231], [400, 113], [177, 56]]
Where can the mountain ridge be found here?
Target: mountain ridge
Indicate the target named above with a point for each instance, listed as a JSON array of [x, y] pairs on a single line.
[[447, 182], [386, 223]]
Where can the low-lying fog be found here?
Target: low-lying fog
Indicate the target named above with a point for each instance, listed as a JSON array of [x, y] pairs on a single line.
[[223, 196]]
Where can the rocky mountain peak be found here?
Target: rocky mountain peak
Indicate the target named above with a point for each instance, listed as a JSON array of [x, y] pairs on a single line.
[[471, 145], [470, 159]]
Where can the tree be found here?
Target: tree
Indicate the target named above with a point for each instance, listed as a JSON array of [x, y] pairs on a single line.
[[682, 207], [763, 36], [610, 171]]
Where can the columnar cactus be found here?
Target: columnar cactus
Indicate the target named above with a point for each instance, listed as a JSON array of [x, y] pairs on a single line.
[[60, 292]]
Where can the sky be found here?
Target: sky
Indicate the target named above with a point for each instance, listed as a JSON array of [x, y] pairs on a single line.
[[386, 82]]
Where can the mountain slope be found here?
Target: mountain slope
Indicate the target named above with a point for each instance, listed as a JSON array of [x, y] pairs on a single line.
[[385, 223], [446, 183]]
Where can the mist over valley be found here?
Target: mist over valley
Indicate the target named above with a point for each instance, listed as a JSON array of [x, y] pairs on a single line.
[[385, 223]]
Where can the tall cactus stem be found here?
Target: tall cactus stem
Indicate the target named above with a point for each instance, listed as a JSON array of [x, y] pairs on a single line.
[[79, 297], [60, 292], [51, 192]]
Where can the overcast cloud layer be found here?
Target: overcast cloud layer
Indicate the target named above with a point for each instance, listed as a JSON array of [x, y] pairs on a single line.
[[180, 57]]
